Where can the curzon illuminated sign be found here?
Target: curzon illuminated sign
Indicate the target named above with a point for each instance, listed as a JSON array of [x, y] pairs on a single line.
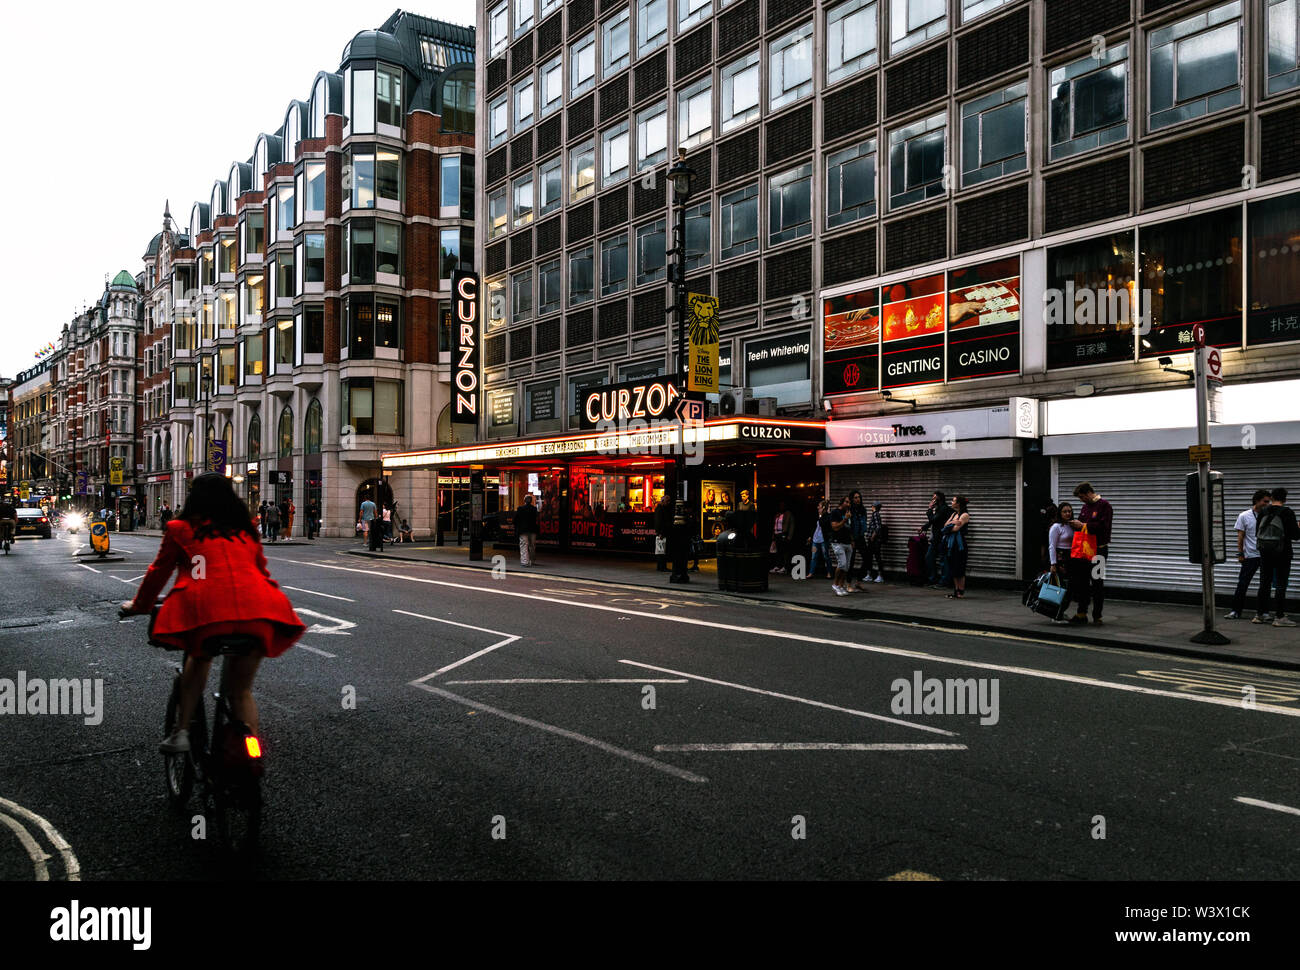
[[617, 404], [466, 377]]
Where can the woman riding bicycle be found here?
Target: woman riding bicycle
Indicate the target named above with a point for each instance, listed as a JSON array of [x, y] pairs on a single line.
[[222, 588]]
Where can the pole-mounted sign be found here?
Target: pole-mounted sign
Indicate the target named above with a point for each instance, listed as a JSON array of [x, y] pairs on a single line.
[[466, 377]]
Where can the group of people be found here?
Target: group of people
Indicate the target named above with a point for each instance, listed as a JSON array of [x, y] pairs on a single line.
[[379, 523], [1078, 546], [1266, 535], [276, 519]]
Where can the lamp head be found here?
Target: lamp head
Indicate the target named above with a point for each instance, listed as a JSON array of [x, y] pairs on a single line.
[[681, 175]]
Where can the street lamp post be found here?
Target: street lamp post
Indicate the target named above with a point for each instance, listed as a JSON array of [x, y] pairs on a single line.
[[680, 176]]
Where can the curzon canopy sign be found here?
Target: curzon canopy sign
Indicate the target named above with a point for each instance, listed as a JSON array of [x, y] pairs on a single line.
[[466, 377]]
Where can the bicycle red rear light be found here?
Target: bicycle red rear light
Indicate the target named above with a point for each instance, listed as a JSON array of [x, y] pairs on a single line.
[[252, 746]]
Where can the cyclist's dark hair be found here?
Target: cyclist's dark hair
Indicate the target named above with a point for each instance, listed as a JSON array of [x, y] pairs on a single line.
[[213, 509]]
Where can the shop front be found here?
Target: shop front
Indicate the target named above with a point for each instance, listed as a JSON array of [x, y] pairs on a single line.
[[597, 490]]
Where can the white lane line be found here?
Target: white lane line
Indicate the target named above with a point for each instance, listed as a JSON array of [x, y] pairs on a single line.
[[34, 850], [1272, 805], [509, 639], [128, 582], [826, 641], [465, 626], [565, 733], [136, 579], [328, 596], [84, 566], [807, 746], [791, 697], [552, 680], [303, 646], [335, 626], [70, 864]]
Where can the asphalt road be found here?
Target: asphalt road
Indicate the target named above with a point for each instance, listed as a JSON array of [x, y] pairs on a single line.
[[437, 723]]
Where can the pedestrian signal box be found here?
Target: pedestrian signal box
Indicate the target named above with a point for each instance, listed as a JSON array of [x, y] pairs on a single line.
[[1218, 531]]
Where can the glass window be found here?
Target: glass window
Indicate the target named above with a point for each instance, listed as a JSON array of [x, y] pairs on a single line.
[[524, 103], [691, 12], [255, 232], [498, 121], [552, 76], [695, 114], [738, 225], [1274, 267], [912, 22], [315, 184], [993, 135], [313, 330], [650, 259], [582, 65], [651, 25], [498, 30], [388, 97], [458, 105], [283, 346], [524, 11], [548, 287], [449, 181], [580, 277], [1089, 105], [284, 209], [1283, 45], [652, 135], [284, 277], [363, 180], [582, 170], [363, 102], [226, 367], [1082, 332], [850, 39], [549, 5], [789, 67], [698, 225], [1195, 66], [613, 265], [362, 252], [498, 213], [523, 201], [253, 299], [851, 184], [371, 405], [388, 248], [789, 205], [1191, 273], [613, 155], [614, 49], [970, 9], [521, 296], [739, 103], [312, 428], [496, 301], [550, 187], [916, 159], [449, 247]]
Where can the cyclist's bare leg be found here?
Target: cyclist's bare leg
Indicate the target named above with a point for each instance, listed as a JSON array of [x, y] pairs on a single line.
[[242, 672], [193, 679]]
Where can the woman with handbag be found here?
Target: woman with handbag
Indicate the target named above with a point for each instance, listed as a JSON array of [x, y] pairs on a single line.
[[954, 533], [1060, 538]]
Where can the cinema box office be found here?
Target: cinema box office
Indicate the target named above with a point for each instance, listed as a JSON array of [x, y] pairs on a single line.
[[596, 489]]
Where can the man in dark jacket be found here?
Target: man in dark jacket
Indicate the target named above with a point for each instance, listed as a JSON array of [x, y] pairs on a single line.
[[1275, 536], [663, 526], [1097, 516], [526, 529], [936, 517]]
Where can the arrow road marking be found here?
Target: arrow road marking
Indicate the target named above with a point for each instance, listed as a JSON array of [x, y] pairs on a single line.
[[339, 628], [34, 850]]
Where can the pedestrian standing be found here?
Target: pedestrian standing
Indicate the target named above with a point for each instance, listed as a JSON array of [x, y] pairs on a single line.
[[313, 519], [860, 517], [841, 528], [273, 521], [291, 512], [954, 531], [936, 516], [782, 533], [1098, 516], [1247, 550], [874, 542], [526, 530], [1275, 537], [165, 515], [1060, 539], [663, 526], [368, 513], [820, 553], [284, 517]]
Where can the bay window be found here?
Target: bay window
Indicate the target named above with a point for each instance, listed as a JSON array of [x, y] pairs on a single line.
[[313, 330], [372, 406]]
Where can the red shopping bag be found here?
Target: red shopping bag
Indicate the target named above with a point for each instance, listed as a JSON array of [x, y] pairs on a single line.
[[1084, 546]]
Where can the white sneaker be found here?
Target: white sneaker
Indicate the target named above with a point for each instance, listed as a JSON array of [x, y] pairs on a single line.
[[178, 742], [879, 579], [1283, 621], [841, 591], [1233, 615]]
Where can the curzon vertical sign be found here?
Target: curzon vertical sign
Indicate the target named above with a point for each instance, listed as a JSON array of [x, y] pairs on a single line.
[[466, 371]]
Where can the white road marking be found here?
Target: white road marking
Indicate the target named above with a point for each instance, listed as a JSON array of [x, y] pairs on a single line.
[[791, 697], [826, 641], [328, 596], [807, 746], [509, 639], [565, 733], [121, 580], [70, 864], [1272, 805], [545, 680], [466, 626], [303, 646], [339, 627], [84, 566], [136, 579], [34, 850]]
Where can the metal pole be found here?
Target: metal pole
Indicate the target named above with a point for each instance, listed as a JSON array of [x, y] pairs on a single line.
[[1208, 634], [679, 574]]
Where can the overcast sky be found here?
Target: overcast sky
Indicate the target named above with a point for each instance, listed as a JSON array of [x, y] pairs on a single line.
[[115, 108]]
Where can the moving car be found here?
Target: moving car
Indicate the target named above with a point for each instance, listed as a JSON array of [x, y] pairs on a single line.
[[33, 522]]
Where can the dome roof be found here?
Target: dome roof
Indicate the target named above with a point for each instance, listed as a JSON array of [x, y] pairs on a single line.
[[124, 279], [374, 45], [154, 243]]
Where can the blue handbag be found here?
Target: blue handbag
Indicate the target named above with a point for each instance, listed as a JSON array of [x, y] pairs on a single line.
[[1051, 599]]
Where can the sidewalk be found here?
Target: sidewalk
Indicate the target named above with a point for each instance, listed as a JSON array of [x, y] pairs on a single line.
[[1158, 627]]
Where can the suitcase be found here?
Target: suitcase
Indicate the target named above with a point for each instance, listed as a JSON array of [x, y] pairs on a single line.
[[916, 549]]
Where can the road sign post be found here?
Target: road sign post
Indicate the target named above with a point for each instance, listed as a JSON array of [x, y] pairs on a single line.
[[1208, 361]]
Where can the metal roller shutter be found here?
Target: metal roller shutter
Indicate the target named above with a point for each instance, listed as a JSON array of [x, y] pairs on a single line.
[[905, 490], [1148, 493]]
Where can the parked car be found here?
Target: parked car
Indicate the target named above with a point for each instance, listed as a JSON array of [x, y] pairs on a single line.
[[33, 522]]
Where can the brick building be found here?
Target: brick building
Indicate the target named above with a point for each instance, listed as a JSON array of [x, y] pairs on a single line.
[[298, 325]]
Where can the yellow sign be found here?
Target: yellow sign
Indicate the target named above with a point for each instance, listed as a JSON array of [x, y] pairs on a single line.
[[702, 356], [25, 491], [115, 469], [99, 536], [1198, 453]]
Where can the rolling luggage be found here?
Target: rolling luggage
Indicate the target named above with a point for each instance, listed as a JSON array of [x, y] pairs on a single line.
[[916, 549]]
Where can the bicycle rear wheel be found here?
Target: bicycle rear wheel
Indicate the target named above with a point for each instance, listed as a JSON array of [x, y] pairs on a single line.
[[236, 791]]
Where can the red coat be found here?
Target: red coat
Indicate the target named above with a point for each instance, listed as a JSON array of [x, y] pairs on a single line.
[[222, 586]]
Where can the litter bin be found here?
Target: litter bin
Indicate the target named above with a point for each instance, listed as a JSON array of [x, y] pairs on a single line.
[[725, 561], [742, 567]]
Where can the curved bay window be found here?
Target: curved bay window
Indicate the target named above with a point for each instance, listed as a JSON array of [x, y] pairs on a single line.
[[311, 436], [285, 446], [373, 94], [370, 248], [375, 176], [373, 322], [458, 101], [254, 438], [372, 406]]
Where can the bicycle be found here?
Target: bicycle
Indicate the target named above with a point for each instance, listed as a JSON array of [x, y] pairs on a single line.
[[226, 764], [6, 535]]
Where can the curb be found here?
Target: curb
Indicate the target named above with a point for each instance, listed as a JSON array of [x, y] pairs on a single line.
[[1051, 633]]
